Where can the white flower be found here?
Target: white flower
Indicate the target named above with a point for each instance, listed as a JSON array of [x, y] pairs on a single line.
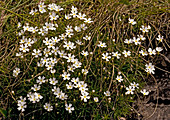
[[144, 29], [26, 28], [37, 53], [42, 10], [69, 28], [107, 93], [101, 44], [81, 16], [143, 53], [96, 99], [69, 45], [69, 107], [66, 76], [29, 42], [41, 80], [126, 53], [75, 80], [16, 71], [152, 52], [85, 96], [160, 38], [35, 88], [41, 5], [159, 49], [141, 37], [84, 71], [67, 16], [116, 54], [132, 21], [78, 29], [23, 48], [106, 56], [119, 78], [51, 6], [144, 92], [87, 37], [53, 81], [73, 8], [79, 42], [53, 16], [84, 53], [56, 90], [74, 13], [48, 107], [70, 58], [128, 41], [42, 31], [19, 54], [21, 107], [130, 90], [88, 20], [19, 25], [69, 86], [49, 26], [136, 41], [58, 8], [62, 37], [150, 68], [83, 26], [63, 96], [33, 11], [134, 85]]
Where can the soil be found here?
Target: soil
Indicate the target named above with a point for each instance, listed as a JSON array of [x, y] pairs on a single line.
[[156, 106]]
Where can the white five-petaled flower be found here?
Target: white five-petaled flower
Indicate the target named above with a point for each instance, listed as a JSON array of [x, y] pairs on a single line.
[[69, 107], [132, 21], [159, 49], [141, 37], [106, 56], [107, 93], [143, 53], [85, 96], [16, 71], [130, 90], [53, 81], [126, 53], [128, 41], [134, 85], [136, 41], [23, 48], [84, 53], [84, 71], [119, 78], [48, 107], [150, 68], [87, 37], [69, 86], [116, 54], [152, 52], [36, 87], [101, 44], [160, 38], [144, 92], [88, 20], [37, 53], [66, 76], [144, 29]]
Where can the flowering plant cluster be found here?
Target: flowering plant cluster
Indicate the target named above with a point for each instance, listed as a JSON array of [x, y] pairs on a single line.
[[62, 54]]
